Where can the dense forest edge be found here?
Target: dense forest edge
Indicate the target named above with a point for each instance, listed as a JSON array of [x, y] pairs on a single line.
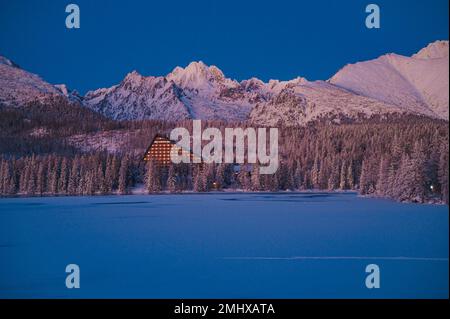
[[404, 158]]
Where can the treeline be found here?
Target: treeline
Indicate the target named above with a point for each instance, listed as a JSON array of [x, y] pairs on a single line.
[[406, 160], [41, 127], [88, 174]]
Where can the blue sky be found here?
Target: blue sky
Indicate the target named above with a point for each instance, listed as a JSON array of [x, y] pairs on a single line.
[[268, 39]]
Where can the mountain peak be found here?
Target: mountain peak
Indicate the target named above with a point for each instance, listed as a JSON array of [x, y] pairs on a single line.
[[8, 62], [197, 75], [434, 50], [133, 75], [197, 66]]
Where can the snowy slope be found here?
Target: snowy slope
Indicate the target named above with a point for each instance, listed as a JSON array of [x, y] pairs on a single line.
[[18, 87], [310, 101], [435, 50], [138, 97], [419, 83], [72, 95]]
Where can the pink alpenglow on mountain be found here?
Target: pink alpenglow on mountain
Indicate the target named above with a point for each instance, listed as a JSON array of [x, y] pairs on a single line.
[[389, 84], [419, 83]]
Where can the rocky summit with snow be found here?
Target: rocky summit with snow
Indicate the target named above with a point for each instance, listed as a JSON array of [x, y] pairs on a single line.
[[19, 87], [197, 91], [389, 84]]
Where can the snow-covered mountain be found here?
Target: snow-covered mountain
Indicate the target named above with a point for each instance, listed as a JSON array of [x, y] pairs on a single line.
[[435, 50], [388, 84], [419, 83], [298, 104], [203, 92], [19, 87], [71, 95], [197, 91]]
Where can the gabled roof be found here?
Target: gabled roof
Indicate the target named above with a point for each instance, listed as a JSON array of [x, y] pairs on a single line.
[[153, 141], [169, 140]]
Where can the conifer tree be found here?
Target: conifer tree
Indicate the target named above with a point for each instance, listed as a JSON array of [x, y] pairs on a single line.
[[343, 177], [72, 184], [123, 175], [198, 185], [298, 177], [152, 177], [243, 177], [383, 177], [255, 179], [443, 172], [350, 176], [63, 179], [32, 169], [40, 178], [220, 175], [315, 177], [171, 180], [364, 183]]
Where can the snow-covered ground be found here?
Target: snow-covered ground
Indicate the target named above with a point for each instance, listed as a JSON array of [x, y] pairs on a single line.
[[290, 245], [111, 141]]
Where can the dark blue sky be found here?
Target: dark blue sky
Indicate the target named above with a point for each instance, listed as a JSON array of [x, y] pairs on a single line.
[[278, 39]]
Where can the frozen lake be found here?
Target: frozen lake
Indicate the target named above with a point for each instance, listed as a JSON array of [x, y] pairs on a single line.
[[290, 245]]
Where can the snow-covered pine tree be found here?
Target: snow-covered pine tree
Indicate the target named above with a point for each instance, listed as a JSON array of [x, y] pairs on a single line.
[[123, 175], [198, 180], [383, 177], [350, 176], [40, 177], [31, 171], [172, 180], [364, 182], [333, 180], [89, 188], [64, 176], [152, 177], [14, 177], [298, 176], [315, 173], [401, 190], [255, 178], [443, 172], [22, 179], [115, 167], [418, 187], [74, 176], [53, 175], [343, 177], [244, 178], [100, 178], [5, 177], [220, 175], [207, 176]]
